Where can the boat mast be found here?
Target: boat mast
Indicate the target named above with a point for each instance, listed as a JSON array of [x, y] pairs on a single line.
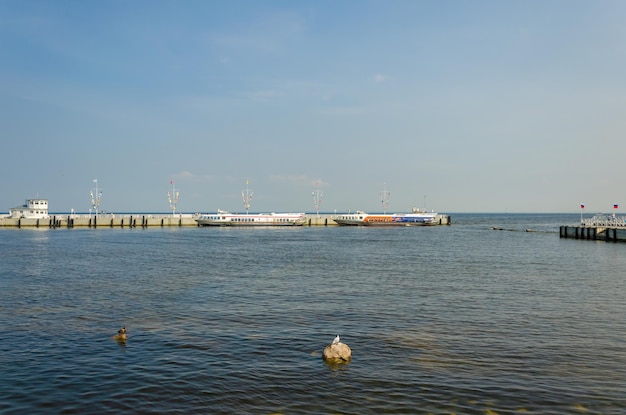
[[173, 198], [384, 198], [246, 198], [317, 198]]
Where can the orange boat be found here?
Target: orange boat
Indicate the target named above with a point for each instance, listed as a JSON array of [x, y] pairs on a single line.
[[415, 218]]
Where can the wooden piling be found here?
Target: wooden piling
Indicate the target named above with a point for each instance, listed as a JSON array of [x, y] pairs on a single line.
[[591, 233]]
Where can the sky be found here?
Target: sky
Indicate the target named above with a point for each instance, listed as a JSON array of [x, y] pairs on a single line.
[[452, 106]]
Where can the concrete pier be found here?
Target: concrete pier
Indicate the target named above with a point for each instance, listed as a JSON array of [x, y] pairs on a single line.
[[101, 221], [593, 233], [140, 220]]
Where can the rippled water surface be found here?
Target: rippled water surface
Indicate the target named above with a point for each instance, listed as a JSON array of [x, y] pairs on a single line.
[[458, 319]]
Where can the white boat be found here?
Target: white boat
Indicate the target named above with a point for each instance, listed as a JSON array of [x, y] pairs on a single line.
[[33, 208], [224, 218], [415, 218]]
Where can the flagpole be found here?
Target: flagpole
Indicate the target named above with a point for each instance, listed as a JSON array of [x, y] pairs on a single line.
[[384, 198], [317, 198], [95, 198], [96, 206], [247, 198], [582, 207], [173, 198]]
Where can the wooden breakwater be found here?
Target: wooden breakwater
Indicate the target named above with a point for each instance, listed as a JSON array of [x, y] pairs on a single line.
[[593, 233], [143, 221]]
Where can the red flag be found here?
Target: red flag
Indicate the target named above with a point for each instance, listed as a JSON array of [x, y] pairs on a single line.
[[582, 206], [615, 206]]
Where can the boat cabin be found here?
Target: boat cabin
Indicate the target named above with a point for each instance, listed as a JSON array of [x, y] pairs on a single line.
[[33, 208]]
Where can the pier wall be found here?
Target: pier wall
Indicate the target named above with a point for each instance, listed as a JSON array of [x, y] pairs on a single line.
[[143, 221], [593, 233], [69, 221]]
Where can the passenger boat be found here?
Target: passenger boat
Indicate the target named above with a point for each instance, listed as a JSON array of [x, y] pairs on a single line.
[[415, 218], [33, 208], [224, 218]]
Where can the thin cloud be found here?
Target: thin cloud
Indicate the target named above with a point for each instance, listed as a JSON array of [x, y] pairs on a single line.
[[379, 78], [271, 33], [187, 175], [300, 180], [262, 95], [343, 111]]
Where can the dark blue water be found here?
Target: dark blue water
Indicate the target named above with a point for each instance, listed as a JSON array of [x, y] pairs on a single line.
[[451, 319]]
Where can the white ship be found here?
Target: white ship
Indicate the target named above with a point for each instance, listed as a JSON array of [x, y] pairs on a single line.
[[224, 218], [33, 208]]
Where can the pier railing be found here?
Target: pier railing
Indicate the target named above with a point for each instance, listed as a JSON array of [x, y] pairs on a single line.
[[610, 228], [605, 221]]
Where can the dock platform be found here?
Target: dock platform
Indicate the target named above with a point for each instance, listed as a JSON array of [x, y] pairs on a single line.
[[609, 228]]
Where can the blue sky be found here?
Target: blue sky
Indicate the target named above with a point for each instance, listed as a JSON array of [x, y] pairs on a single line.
[[457, 106]]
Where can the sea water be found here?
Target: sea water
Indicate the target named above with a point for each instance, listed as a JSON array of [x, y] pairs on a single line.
[[462, 319]]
